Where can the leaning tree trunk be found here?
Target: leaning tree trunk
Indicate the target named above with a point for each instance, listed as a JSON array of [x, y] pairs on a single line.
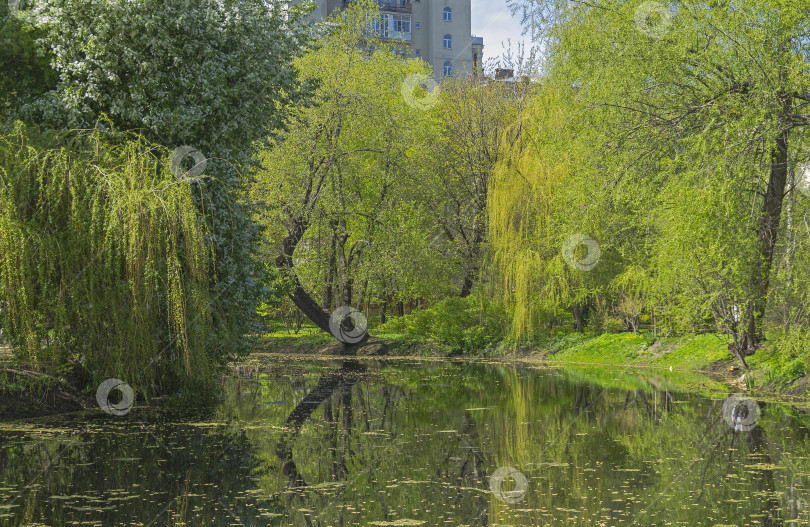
[[750, 336], [299, 295]]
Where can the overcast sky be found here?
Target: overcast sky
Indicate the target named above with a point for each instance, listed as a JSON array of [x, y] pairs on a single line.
[[492, 20]]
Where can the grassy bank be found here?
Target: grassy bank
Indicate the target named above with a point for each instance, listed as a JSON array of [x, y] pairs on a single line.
[[625, 349], [25, 393], [707, 354], [698, 352]]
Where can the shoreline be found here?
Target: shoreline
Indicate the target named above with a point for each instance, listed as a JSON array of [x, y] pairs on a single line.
[[44, 397], [724, 370]]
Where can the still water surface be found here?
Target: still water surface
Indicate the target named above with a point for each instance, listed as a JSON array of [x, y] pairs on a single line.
[[317, 443]]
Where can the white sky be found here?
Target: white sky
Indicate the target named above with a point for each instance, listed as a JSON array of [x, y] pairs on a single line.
[[492, 20]]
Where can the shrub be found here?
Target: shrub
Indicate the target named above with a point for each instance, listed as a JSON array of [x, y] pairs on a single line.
[[613, 325], [462, 324], [788, 354]]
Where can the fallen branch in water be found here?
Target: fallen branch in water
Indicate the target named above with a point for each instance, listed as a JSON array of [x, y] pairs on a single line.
[[52, 386]]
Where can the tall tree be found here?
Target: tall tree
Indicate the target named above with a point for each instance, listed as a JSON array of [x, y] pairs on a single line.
[[475, 114], [710, 96], [103, 259], [211, 75], [337, 186]]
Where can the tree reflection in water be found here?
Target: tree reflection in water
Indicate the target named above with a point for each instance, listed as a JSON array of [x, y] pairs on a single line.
[[369, 442], [462, 463], [342, 381]]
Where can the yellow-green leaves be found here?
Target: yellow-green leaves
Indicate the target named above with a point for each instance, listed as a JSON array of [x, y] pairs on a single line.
[[103, 257]]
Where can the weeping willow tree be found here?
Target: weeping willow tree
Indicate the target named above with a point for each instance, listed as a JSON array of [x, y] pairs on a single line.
[[103, 258], [539, 204], [709, 129]]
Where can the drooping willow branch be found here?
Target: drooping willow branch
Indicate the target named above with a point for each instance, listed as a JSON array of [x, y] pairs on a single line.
[[104, 257]]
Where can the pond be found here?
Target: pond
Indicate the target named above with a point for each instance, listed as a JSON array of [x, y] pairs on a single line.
[[387, 443]]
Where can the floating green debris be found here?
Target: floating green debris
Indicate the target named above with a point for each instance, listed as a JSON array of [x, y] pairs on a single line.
[[398, 523]]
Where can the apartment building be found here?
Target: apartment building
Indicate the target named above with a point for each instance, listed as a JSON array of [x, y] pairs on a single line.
[[436, 31]]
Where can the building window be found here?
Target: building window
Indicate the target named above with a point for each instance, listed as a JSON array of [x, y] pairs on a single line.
[[417, 25], [448, 14], [448, 42], [402, 24], [417, 52], [448, 69], [384, 25]]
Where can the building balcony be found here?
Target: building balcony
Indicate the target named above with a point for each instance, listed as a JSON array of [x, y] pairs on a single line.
[[397, 35], [391, 6]]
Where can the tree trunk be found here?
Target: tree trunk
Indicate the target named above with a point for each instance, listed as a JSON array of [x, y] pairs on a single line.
[[466, 286], [348, 289], [343, 267], [364, 297], [750, 337], [789, 248], [472, 268], [328, 298], [285, 264], [579, 318]]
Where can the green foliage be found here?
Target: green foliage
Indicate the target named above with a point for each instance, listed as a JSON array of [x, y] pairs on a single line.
[[455, 160], [25, 71], [462, 324], [201, 72], [612, 325], [103, 258], [787, 355], [275, 291], [214, 75], [662, 149], [344, 173]]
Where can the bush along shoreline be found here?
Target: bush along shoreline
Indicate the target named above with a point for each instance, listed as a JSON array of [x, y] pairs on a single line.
[[461, 329], [26, 393], [703, 354]]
